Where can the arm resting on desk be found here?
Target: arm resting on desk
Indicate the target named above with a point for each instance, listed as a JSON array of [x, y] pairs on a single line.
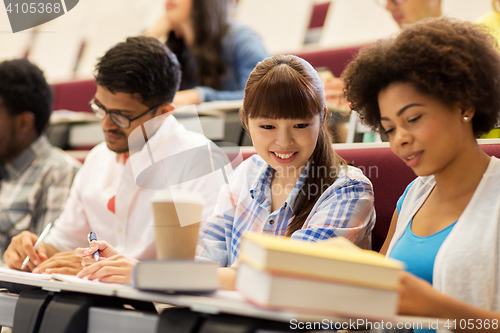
[[61, 263]]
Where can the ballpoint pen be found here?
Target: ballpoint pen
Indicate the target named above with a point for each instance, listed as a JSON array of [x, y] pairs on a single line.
[[37, 244], [92, 237]]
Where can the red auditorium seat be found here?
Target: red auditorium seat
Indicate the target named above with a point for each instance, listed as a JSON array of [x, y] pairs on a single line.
[[389, 176], [335, 59], [74, 95], [319, 15]]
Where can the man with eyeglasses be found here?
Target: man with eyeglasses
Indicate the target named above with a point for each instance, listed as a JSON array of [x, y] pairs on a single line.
[[35, 177], [411, 11], [136, 82]]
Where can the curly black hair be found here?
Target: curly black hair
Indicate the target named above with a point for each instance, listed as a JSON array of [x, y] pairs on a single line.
[[455, 62], [23, 88], [140, 65]]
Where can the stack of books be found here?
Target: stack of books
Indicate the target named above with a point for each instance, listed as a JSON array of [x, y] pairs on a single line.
[[328, 277]]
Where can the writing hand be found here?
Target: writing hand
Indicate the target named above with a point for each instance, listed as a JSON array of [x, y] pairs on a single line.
[[20, 247]]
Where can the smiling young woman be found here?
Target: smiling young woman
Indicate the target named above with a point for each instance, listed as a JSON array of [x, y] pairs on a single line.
[[433, 90], [296, 185]]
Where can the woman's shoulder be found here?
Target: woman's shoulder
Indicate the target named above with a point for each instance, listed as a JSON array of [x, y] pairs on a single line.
[[236, 27], [241, 33]]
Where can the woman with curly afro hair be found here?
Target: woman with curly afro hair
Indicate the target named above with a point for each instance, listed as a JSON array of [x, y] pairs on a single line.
[[433, 89]]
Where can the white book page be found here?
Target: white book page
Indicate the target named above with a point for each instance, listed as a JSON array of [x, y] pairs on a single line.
[[15, 272], [72, 279]]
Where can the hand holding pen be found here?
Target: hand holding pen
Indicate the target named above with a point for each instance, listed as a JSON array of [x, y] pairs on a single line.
[[109, 258], [37, 244], [97, 250], [92, 237]]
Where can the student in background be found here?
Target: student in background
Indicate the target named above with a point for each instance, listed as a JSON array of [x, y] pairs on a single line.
[[296, 186], [492, 23], [445, 227], [410, 11], [216, 55], [403, 12], [35, 177], [136, 82], [492, 20]]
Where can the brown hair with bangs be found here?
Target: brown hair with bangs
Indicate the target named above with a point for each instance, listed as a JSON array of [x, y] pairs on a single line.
[[288, 87]]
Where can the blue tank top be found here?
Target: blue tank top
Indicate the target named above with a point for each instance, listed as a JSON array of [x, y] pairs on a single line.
[[418, 253]]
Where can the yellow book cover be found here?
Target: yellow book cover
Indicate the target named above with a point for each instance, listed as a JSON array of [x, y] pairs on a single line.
[[335, 259]]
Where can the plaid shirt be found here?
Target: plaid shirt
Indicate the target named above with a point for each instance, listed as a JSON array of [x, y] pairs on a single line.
[[344, 209], [33, 189]]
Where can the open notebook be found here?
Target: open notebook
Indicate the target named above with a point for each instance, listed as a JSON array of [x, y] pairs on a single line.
[[58, 282]]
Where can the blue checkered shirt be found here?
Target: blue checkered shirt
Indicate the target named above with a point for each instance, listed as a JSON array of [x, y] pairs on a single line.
[[344, 209]]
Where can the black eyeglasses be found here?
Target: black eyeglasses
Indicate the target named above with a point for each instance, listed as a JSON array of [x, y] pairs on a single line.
[[123, 121], [383, 3]]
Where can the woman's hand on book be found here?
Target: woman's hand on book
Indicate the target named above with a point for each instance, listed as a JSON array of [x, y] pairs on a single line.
[[114, 269], [417, 297]]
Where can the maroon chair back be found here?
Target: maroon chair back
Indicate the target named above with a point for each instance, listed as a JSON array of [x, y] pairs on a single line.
[[389, 177], [319, 15], [336, 59], [491, 149], [73, 96]]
